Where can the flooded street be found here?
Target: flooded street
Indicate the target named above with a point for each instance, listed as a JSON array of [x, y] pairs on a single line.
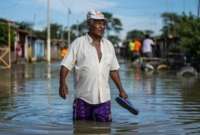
[[30, 104]]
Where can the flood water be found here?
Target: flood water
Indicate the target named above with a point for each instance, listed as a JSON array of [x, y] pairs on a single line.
[[30, 105]]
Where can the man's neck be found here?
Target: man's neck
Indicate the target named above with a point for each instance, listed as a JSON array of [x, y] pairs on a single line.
[[95, 38]]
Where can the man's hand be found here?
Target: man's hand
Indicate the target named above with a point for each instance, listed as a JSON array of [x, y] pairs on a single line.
[[123, 94], [63, 91]]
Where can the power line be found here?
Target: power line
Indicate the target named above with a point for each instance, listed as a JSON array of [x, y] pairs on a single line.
[[64, 6]]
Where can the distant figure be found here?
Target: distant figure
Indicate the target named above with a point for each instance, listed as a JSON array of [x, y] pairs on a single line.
[[131, 46], [18, 51], [147, 46], [136, 49], [63, 52]]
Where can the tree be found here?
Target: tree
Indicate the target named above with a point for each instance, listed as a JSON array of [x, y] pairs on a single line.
[[134, 34], [56, 30], [189, 33], [114, 39], [137, 34], [72, 35], [187, 29], [113, 24], [25, 26], [170, 23], [148, 32], [79, 29], [41, 34], [4, 34]]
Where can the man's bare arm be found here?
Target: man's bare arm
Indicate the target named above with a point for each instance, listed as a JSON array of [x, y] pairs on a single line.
[[63, 88], [116, 78]]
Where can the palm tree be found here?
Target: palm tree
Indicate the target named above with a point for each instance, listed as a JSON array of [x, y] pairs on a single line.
[[170, 21], [79, 29], [113, 24], [187, 29]]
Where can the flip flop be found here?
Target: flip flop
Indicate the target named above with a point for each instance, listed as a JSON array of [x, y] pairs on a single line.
[[127, 105]]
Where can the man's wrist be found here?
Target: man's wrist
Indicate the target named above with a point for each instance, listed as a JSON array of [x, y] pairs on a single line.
[[121, 89]]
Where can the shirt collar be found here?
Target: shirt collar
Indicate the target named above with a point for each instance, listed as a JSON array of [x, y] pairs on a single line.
[[89, 38]]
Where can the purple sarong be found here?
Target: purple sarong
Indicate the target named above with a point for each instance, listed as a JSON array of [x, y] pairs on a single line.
[[84, 111]]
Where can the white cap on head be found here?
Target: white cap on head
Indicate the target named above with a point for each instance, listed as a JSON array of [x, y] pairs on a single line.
[[96, 15]]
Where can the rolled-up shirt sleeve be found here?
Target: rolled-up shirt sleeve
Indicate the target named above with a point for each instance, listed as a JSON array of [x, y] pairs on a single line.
[[70, 59]]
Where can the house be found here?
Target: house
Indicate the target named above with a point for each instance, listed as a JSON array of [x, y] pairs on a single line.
[[36, 49]]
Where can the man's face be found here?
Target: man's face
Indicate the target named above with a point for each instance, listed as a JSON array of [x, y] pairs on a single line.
[[97, 27]]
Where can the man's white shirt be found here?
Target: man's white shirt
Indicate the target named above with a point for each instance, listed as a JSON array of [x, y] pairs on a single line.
[[93, 75]]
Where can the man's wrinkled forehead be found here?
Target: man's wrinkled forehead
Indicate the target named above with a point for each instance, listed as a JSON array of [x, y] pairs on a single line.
[[97, 21]]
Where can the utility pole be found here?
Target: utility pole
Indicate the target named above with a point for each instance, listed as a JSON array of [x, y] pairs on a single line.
[[68, 18], [198, 11], [9, 46], [48, 33]]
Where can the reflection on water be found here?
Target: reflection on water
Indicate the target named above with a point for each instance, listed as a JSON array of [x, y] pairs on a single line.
[[88, 127], [29, 103]]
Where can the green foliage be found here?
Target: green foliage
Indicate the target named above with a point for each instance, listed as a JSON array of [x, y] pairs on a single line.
[[56, 30], [4, 35], [40, 34], [148, 32], [79, 29], [25, 26], [114, 39], [186, 28], [116, 25], [113, 24], [134, 34]]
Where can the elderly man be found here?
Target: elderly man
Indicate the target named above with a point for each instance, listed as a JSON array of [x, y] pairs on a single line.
[[94, 60]]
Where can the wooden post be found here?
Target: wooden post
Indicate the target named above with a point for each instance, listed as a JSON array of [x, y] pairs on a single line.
[[6, 51], [9, 46]]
